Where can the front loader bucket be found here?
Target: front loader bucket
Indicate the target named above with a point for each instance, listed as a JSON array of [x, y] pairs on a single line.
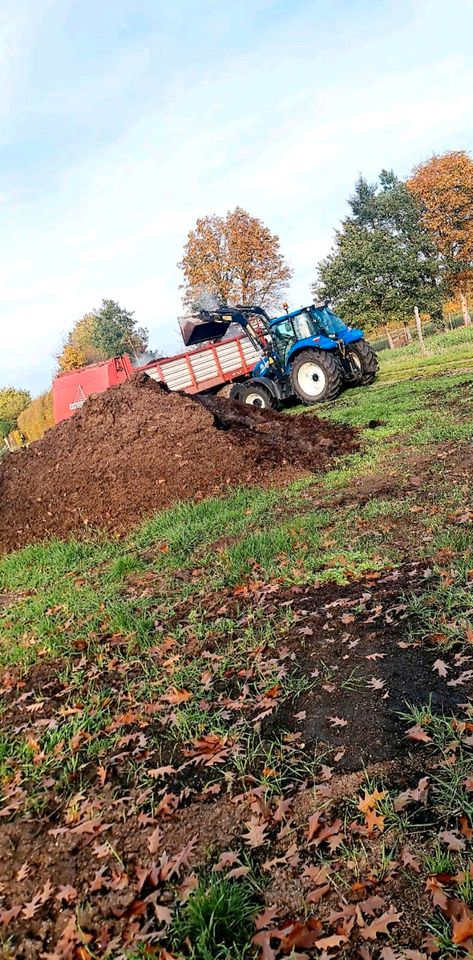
[[194, 330]]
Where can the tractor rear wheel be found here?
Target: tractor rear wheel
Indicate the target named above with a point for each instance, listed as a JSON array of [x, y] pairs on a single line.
[[316, 376], [255, 394], [365, 360]]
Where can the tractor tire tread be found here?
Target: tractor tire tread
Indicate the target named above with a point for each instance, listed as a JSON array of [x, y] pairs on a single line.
[[334, 375], [369, 361], [250, 385]]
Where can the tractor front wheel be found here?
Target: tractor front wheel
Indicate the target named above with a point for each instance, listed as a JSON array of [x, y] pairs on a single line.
[[316, 376], [364, 360]]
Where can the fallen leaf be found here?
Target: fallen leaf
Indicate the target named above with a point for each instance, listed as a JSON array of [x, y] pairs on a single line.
[[264, 919], [369, 801], [256, 835], [263, 941], [23, 871], [101, 775], [453, 841], [163, 914], [7, 915], [66, 894], [417, 733], [374, 821], [462, 929], [440, 667], [437, 892], [380, 925], [314, 822], [238, 872], [409, 860], [337, 722], [327, 943], [227, 859], [154, 840], [177, 696]]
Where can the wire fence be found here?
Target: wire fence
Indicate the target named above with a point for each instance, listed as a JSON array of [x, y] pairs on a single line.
[[407, 334]]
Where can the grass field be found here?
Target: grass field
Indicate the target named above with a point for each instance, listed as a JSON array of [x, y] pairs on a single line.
[[247, 729], [444, 351]]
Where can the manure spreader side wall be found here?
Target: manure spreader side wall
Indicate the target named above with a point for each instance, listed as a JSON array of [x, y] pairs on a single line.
[[207, 367]]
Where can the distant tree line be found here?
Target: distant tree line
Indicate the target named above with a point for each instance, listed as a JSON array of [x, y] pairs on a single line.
[[108, 332], [404, 245]]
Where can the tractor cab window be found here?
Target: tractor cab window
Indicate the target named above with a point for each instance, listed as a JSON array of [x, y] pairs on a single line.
[[303, 326], [283, 337], [326, 322]]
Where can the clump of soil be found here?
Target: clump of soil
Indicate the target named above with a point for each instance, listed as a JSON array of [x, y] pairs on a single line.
[[138, 448]]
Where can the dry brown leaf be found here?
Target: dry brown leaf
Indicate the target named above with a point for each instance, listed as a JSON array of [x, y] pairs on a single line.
[[437, 892], [7, 915], [380, 925], [66, 894], [263, 941], [409, 860], [265, 918], [462, 929], [369, 801], [337, 722], [440, 667], [176, 696], [327, 943], [23, 871], [453, 841], [154, 840], [163, 914], [256, 835], [417, 733], [315, 896], [314, 822]]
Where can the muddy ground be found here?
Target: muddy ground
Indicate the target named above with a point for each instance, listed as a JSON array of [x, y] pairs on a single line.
[[138, 448]]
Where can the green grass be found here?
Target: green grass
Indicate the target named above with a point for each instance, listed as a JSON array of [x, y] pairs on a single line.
[[445, 351], [216, 921], [65, 594]]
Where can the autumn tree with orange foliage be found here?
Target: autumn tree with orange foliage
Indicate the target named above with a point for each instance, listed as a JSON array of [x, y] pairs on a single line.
[[233, 259], [444, 187]]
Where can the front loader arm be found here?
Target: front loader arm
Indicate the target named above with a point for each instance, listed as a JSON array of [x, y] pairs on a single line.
[[214, 324]]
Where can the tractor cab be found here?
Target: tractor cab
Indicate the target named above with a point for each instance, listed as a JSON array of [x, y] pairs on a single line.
[[286, 332], [314, 325]]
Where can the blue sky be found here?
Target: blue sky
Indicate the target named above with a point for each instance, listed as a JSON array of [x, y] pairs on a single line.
[[123, 121]]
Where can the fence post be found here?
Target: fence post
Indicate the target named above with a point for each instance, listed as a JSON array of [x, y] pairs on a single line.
[[419, 330], [465, 310], [390, 339]]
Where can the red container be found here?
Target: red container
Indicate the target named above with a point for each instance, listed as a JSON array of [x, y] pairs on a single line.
[[72, 388]]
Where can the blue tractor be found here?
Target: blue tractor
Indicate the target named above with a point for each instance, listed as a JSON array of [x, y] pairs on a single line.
[[309, 353]]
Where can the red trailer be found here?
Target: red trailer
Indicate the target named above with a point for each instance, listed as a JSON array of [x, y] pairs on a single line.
[[196, 371], [71, 389]]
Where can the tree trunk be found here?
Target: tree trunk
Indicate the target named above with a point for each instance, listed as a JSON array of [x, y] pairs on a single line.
[[465, 311], [390, 340], [419, 330], [407, 332]]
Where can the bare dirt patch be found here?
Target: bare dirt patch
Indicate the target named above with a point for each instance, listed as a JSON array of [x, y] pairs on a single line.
[[366, 668]]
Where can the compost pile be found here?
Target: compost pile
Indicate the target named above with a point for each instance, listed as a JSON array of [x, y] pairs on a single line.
[[138, 448]]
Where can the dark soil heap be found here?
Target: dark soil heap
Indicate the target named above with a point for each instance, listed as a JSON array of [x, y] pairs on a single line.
[[138, 448]]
